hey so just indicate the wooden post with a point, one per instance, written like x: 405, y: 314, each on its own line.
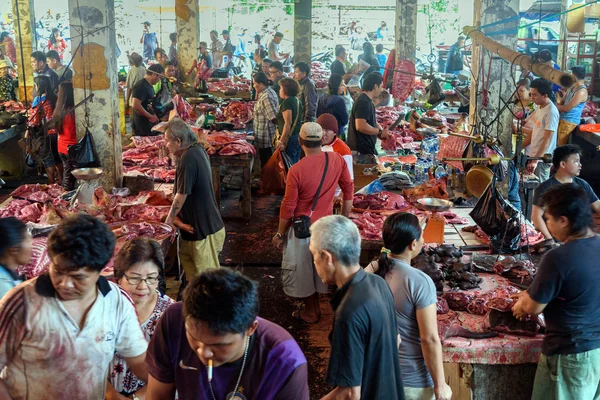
x: 475, y: 56
x: 563, y: 34
x: 25, y: 43
x: 187, y: 21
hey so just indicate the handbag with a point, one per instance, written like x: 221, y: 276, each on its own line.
x: 278, y: 134
x: 301, y: 223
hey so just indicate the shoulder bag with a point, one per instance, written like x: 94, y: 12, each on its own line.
x: 301, y: 223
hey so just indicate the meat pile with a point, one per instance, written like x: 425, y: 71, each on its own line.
x: 528, y: 235
x: 589, y: 110
x: 23, y: 210
x: 399, y: 139
x: 228, y: 143
x: 229, y: 87
x: 238, y: 113
x: 431, y: 189
x: 380, y: 201
x: 403, y: 84
x: 320, y: 74
x: 452, y: 147
x: 184, y: 110
x: 142, y: 229
x: 447, y: 264
x: 369, y: 224
x: 386, y: 116
x: 147, y: 153
x: 38, y: 192
x: 12, y: 106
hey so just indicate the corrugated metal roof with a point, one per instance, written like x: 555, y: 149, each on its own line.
x: 543, y: 8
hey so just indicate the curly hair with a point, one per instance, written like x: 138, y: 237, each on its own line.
x: 83, y: 241
x: 224, y: 299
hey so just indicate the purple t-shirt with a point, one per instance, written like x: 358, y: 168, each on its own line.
x: 275, y: 368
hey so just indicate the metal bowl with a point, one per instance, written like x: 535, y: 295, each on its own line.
x: 87, y: 174
x: 432, y: 204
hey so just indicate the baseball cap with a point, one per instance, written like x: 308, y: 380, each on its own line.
x: 146, y: 23
x: 225, y: 32
x: 311, y: 132
x: 328, y: 121
x: 279, y: 34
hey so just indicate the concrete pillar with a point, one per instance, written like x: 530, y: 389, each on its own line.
x: 95, y: 68
x: 406, y: 30
x: 563, y: 34
x: 475, y: 58
x: 302, y: 31
x: 187, y: 21
x: 25, y: 43
x: 497, y: 77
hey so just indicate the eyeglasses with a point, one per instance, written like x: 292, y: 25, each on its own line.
x: 135, y: 280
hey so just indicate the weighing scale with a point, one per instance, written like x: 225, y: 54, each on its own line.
x: 434, y: 230
x: 89, y: 180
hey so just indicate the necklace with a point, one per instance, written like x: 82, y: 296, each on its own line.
x: 239, y: 377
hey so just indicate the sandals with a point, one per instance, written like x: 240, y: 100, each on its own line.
x: 298, y: 315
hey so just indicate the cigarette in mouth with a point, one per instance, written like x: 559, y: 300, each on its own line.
x: 210, y: 367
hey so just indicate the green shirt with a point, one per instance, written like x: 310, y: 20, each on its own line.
x: 291, y: 103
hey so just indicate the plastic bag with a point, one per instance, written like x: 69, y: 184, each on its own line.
x: 273, y: 174
x: 84, y: 152
x: 373, y: 187
x: 498, y: 219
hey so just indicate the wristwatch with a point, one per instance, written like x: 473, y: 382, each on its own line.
x: 279, y: 235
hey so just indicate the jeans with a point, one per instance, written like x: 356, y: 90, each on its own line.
x: 568, y: 377
x: 293, y: 149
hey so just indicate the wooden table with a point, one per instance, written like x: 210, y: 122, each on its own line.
x: 245, y: 162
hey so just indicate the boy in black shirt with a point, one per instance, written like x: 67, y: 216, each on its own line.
x: 567, y: 163
x: 363, y: 129
x: 364, y: 360
x: 566, y: 290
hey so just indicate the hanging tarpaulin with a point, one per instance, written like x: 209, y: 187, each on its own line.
x: 404, y: 80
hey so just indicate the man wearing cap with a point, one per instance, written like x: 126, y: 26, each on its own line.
x: 274, y: 54
x: 148, y: 41
x: 136, y: 74
x: 304, y: 178
x: 7, y: 84
x: 216, y: 49
x: 205, y: 55
x: 331, y: 142
x: 143, y: 117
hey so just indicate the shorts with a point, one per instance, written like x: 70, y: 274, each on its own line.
x: 418, y: 393
x: 52, y: 158
x: 565, y: 129
x: 299, y: 276
x: 568, y: 376
x: 197, y: 256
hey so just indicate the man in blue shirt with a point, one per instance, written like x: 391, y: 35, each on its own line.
x: 149, y: 42
x: 382, y: 58
x: 565, y: 289
x: 456, y: 57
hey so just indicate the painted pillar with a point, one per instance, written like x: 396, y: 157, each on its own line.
x: 475, y: 58
x: 406, y: 30
x: 187, y: 20
x: 496, y: 78
x: 95, y: 68
x: 563, y: 34
x: 302, y: 31
x: 25, y: 43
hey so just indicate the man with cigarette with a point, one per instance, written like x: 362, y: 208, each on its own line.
x: 213, y: 345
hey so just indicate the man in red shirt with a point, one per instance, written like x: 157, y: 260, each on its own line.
x: 300, y: 279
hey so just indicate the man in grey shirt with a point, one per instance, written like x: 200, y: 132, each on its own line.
x: 308, y: 92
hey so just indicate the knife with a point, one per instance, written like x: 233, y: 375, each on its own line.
x: 395, y: 124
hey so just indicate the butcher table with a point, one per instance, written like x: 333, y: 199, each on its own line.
x: 245, y: 162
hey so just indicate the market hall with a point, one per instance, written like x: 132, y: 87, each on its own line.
x: 299, y: 200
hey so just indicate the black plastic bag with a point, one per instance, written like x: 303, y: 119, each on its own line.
x: 84, y: 152
x: 498, y: 219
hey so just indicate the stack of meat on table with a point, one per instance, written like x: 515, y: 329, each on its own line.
x: 147, y: 157
x: 228, y: 86
x: 42, y: 207
x: 238, y: 113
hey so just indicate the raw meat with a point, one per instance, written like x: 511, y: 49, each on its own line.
x: 237, y: 111
x: 320, y: 74
x: 145, y: 212
x: 458, y: 301
x: 227, y: 86
x: 38, y: 192
x: 453, y: 147
x: 369, y: 225
x: 441, y: 306
x: 49, y: 215
x: 380, y: 201
x: 403, y: 84
x: 503, y: 304
x: 589, y: 110
x: 22, y: 210
x: 237, y: 148
x: 478, y: 306
x: 430, y: 189
x: 506, y: 322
